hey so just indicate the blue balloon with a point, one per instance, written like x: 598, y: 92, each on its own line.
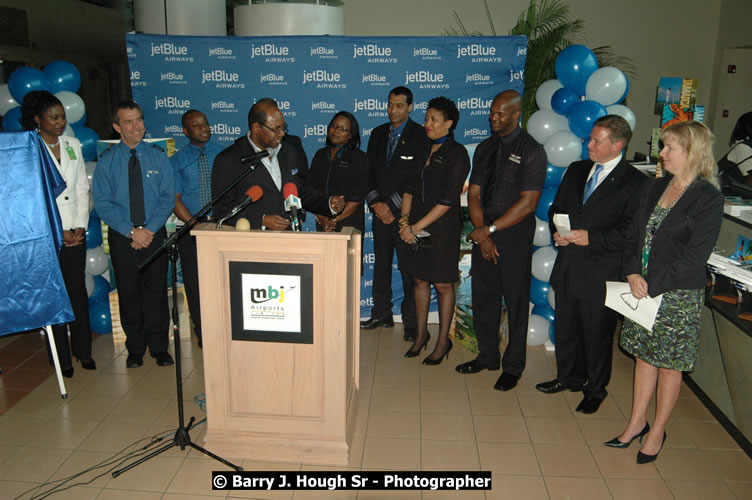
x: 563, y: 100
x: 100, y: 320
x: 583, y: 116
x: 24, y: 80
x: 554, y: 175
x: 545, y: 201
x: 585, y: 152
x: 574, y: 65
x: 544, y: 311
x: 88, y: 139
x: 101, y: 290
x: 626, y: 91
x: 81, y: 122
x: 94, y: 231
x: 11, y: 120
x: 539, y: 292
x: 62, y: 75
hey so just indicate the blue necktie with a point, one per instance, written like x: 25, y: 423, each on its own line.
x: 204, y: 177
x: 392, y: 145
x: 592, y: 182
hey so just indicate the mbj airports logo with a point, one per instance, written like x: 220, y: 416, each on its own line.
x: 426, y: 79
x: 173, y: 78
x: 173, y: 105
x: 323, y: 79
x: 477, y: 52
x: 374, y: 53
x: 171, y: 52
x: 323, y: 53
x: 272, y: 53
x: 271, y: 302
x: 374, y: 107
x: 222, y: 79
x: 221, y: 53
x: 426, y: 53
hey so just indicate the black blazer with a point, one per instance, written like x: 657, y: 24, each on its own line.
x: 582, y: 271
x: 682, y: 243
x: 385, y: 183
x: 227, y: 167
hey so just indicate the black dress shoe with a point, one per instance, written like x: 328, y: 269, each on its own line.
x: 589, y: 405
x: 615, y: 443
x: 164, y: 359
x: 67, y: 372
x: 88, y: 364
x: 372, y: 323
x: 643, y: 458
x: 475, y: 366
x: 409, y: 333
x: 554, y: 386
x: 134, y: 360
x: 506, y: 382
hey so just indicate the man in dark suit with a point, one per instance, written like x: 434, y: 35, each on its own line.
x: 266, y: 127
x: 600, y: 197
x: 394, y: 149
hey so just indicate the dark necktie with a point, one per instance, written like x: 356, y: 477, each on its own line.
x: 136, y: 191
x: 204, y: 177
x: 392, y: 145
x: 489, y: 183
x: 592, y: 182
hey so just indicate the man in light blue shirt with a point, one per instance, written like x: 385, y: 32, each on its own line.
x: 134, y: 193
x: 192, y: 171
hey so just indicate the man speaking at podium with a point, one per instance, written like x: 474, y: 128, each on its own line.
x: 284, y: 164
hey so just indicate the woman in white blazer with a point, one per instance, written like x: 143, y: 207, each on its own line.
x: 43, y: 112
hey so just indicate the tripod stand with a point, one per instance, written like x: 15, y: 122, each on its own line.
x: 182, y: 437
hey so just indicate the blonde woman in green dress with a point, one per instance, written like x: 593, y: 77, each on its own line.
x: 671, y: 237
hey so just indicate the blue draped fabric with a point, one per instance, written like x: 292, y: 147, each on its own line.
x: 32, y: 291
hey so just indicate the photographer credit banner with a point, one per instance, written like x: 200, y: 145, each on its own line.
x: 314, y: 77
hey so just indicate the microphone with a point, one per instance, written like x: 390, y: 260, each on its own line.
x: 292, y: 204
x: 257, y: 156
x: 253, y: 194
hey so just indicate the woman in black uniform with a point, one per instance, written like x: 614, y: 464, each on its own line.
x: 431, y: 204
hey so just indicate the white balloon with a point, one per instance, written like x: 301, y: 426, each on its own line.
x: 544, y: 93
x: 624, y: 112
x: 544, y: 123
x: 73, y: 104
x: 91, y: 201
x: 68, y: 132
x: 543, y: 263
x: 6, y: 100
x: 537, y: 330
x: 90, y: 166
x: 606, y: 86
x: 89, y: 281
x: 542, y: 233
x: 551, y: 297
x: 563, y: 148
x: 96, y: 261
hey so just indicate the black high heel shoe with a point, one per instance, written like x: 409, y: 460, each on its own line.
x: 437, y: 361
x: 615, y: 443
x: 88, y: 364
x: 643, y: 458
x: 411, y: 354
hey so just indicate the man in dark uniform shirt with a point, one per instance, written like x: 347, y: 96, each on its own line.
x: 393, y: 151
x: 509, y: 169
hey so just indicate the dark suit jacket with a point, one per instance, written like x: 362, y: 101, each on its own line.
x: 606, y: 216
x: 386, y: 183
x: 227, y: 167
x: 682, y: 243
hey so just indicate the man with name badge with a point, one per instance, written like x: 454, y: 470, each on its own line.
x: 192, y: 171
x: 134, y: 194
x: 394, y: 150
x: 599, y: 196
x: 509, y: 169
x: 281, y: 164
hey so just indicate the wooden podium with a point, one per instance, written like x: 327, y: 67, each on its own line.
x: 282, y: 395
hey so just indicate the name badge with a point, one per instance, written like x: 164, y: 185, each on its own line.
x: 514, y: 158
x: 71, y: 153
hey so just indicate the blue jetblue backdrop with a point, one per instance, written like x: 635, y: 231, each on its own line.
x: 313, y: 77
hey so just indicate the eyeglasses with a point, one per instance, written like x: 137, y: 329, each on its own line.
x: 278, y: 130
x: 337, y: 128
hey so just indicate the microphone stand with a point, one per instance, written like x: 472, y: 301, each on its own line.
x: 182, y: 437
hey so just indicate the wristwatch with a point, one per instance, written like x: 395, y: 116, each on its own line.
x: 492, y: 228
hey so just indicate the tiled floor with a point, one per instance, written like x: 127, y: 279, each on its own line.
x: 411, y: 417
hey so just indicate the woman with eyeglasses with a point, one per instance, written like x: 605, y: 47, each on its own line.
x: 431, y: 225
x: 341, y: 168
x: 670, y: 239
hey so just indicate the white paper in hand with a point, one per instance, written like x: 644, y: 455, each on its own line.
x: 642, y: 311
x: 561, y: 221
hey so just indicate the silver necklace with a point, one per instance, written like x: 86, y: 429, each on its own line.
x: 671, y: 183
